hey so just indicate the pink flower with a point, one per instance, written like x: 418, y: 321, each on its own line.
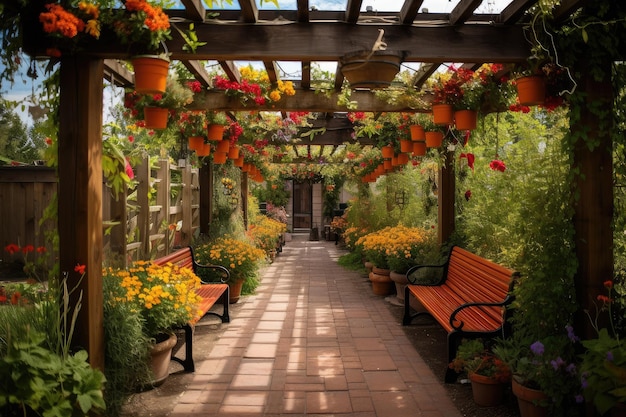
x: 129, y: 170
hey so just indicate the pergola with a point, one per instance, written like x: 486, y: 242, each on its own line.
x: 306, y: 36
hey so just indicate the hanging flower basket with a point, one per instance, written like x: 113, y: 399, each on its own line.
x: 465, y: 119
x: 403, y: 158
x: 434, y: 139
x: 233, y: 153
x: 239, y: 162
x: 155, y: 117
x: 203, y: 150
x: 194, y: 142
x: 219, y: 158
x: 387, y: 151
x: 417, y: 132
x: 443, y: 114
x: 419, y: 148
x: 150, y: 74
x: 215, y: 132
x: 531, y: 90
x: 223, y: 146
x: 406, y: 146
x: 367, y: 70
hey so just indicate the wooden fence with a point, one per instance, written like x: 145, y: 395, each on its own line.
x: 160, y: 214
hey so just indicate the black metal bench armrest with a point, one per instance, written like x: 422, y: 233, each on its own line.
x: 459, y: 326
x: 224, y: 277
x: 415, y: 268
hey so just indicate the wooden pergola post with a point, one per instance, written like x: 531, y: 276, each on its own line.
x: 446, y: 188
x: 593, y: 209
x: 80, y: 195
x: 205, y: 178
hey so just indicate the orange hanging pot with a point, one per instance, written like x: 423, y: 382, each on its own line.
x: 233, y: 153
x: 419, y: 148
x: 155, y: 117
x: 223, y: 146
x: 417, y: 132
x: 194, y: 142
x: 219, y: 158
x: 465, y: 119
x: 406, y: 146
x: 403, y: 159
x: 239, y: 162
x: 387, y: 164
x: 387, y: 151
x: 434, y: 139
x: 443, y: 114
x: 150, y: 74
x: 203, y: 150
x: 215, y: 132
x: 531, y: 90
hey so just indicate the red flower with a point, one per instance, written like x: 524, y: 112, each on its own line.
x: 28, y: 249
x: 48, y: 141
x: 41, y: 249
x: 80, y: 269
x: 468, y: 195
x: 497, y: 165
x: 608, y: 284
x: 470, y: 159
x: 15, y: 298
x: 12, y: 248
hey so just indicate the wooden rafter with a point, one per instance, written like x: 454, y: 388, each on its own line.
x: 199, y: 72
x: 353, y: 9
x: 249, y: 11
x: 423, y: 73
x: 409, y: 11
x: 514, y: 11
x: 117, y: 73
x: 231, y: 70
x: 303, y: 11
x: 463, y: 11
x: 194, y: 10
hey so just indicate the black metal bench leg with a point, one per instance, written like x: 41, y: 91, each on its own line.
x: 187, y: 363
x: 454, y: 339
x: 225, y: 298
x: 407, y: 308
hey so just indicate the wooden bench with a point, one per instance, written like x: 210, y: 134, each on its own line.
x: 469, y: 300
x: 210, y: 292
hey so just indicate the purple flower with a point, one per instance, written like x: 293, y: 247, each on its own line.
x: 537, y: 348
x: 570, y: 334
x: 571, y: 369
x: 579, y: 399
x: 609, y: 356
x: 583, y: 380
x: 557, y: 363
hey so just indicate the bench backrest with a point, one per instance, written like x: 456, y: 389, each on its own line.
x: 476, y: 278
x: 182, y: 258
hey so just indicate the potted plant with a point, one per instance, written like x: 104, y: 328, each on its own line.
x: 603, y: 367
x: 165, y: 297
x: 255, y: 87
x: 239, y: 255
x: 545, y: 376
x: 488, y: 373
x: 193, y: 125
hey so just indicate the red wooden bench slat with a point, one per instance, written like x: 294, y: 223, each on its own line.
x: 469, y: 279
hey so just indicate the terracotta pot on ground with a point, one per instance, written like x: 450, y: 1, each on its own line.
x: 234, y: 290
x: 531, y: 90
x: 160, y: 355
x: 381, y: 282
x: 400, y: 282
x: 150, y: 74
x: 368, y: 266
x: 487, y: 392
x: 527, y: 400
x: 443, y: 114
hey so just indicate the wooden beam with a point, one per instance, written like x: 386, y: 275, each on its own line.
x: 303, y: 100
x: 463, y: 11
x: 446, y: 186
x: 353, y: 10
x: 409, y: 11
x: 194, y: 10
x: 514, y: 11
x: 118, y: 74
x: 305, y: 82
x: 303, y: 11
x: 199, y: 72
x: 566, y: 8
x: 423, y: 73
x: 249, y: 11
x: 80, y: 196
x: 231, y: 70
x: 272, y: 73
x: 338, y: 78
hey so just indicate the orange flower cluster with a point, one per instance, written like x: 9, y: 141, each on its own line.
x: 155, y: 18
x: 60, y: 21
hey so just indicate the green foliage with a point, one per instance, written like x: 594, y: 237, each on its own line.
x: 352, y: 261
x: 273, y: 192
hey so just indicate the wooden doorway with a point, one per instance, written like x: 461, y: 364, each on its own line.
x: 302, y: 206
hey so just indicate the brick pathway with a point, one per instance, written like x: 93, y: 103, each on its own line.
x: 313, y: 341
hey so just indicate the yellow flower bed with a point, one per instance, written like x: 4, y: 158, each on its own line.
x: 266, y: 232
x: 240, y: 257
x: 164, y: 295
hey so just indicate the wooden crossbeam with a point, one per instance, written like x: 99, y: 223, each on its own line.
x: 463, y: 11
x: 409, y: 11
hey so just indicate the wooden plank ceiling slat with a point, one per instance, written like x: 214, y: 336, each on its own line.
x: 303, y: 11
x: 353, y: 10
x: 249, y: 11
x: 409, y: 11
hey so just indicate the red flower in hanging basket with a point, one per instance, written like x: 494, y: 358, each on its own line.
x: 497, y: 165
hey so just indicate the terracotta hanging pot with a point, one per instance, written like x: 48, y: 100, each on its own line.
x: 434, y: 139
x: 443, y: 114
x: 406, y: 146
x: 419, y: 148
x: 531, y: 90
x: 203, y: 150
x: 417, y: 132
x: 223, y: 146
x: 150, y: 74
x: 219, y: 157
x: 233, y: 153
x: 193, y: 142
x: 155, y: 117
x: 465, y: 119
x: 215, y: 132
x: 387, y: 151
x: 403, y: 158
x: 239, y: 162
x: 387, y: 164
x: 364, y: 69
